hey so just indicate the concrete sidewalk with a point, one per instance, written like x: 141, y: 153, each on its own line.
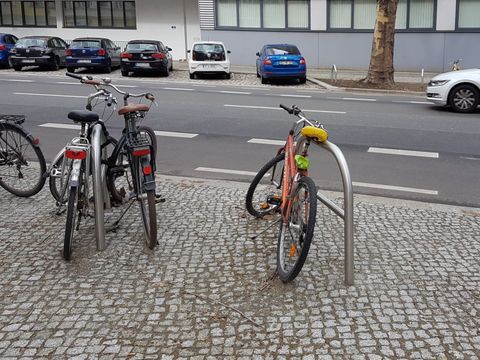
x: 207, y: 290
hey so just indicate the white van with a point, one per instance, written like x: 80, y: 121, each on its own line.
x: 208, y: 57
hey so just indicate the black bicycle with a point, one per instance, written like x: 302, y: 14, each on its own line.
x: 22, y: 164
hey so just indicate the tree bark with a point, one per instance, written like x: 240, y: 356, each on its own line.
x: 380, y: 71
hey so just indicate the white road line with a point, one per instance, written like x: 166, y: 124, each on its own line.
x: 296, y: 96
x: 413, y: 102
x: 359, y: 99
x: 78, y: 83
x: 18, y: 80
x: 266, y: 141
x: 175, y: 134
x: 277, y: 108
x: 61, y: 126
x: 226, y: 171
x: 403, y: 152
x: 233, y: 92
x: 470, y: 158
x: 395, y: 188
x: 178, y: 89
x: 51, y: 95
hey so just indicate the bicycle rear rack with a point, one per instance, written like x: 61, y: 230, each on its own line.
x: 17, y: 119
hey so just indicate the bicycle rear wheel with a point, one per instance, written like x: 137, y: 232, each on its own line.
x: 295, y: 237
x: 70, y: 225
x: 22, y: 164
x: 146, y: 200
x: 119, y: 179
x: 264, y: 194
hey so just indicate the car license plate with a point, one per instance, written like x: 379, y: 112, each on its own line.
x: 28, y: 61
x: 84, y: 61
x: 143, y: 65
x: 286, y: 62
x: 209, y: 66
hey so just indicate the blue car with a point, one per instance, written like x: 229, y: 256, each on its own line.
x: 7, y: 42
x: 93, y: 53
x: 281, y: 61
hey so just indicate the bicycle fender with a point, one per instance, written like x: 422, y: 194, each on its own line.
x: 75, y: 175
x: 148, y: 179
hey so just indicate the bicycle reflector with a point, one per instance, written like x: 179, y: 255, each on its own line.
x: 75, y: 154
x: 147, y: 170
x: 141, y: 152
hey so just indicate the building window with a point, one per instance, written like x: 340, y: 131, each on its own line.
x: 361, y: 14
x: 28, y: 13
x: 468, y: 14
x: 104, y: 14
x: 268, y: 14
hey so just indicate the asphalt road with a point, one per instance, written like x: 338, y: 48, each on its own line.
x: 395, y: 145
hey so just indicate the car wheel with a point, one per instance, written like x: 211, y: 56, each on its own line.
x: 258, y: 74
x: 228, y: 76
x: 70, y: 69
x: 192, y: 76
x: 9, y: 63
x: 124, y: 72
x: 108, y: 68
x: 302, y: 80
x: 17, y: 67
x: 165, y: 72
x: 264, y: 80
x: 464, y: 98
x: 171, y: 66
x: 56, y: 63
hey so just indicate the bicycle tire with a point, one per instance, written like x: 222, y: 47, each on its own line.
x: 17, y: 157
x: 148, y: 210
x: 119, y: 180
x: 54, y: 182
x: 253, y: 198
x: 70, y: 224
x: 289, y: 272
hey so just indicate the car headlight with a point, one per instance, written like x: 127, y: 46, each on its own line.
x: 437, y: 82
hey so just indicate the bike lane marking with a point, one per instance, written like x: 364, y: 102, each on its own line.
x: 50, y: 95
x: 266, y: 141
x: 386, y: 151
x: 226, y: 171
x: 395, y: 188
x: 61, y: 126
x: 175, y: 134
x: 275, y: 108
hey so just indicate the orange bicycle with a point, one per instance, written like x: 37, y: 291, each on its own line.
x: 282, y: 186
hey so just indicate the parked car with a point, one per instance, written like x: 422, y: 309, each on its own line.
x: 209, y: 57
x: 93, y: 53
x: 7, y: 42
x: 146, y: 55
x: 44, y: 51
x: 458, y: 89
x: 281, y: 61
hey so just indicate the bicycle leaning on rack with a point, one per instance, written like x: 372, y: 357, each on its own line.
x: 22, y: 163
x: 282, y: 186
x: 127, y: 174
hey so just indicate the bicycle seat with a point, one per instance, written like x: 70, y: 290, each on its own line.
x: 314, y: 133
x: 130, y: 108
x: 83, y: 116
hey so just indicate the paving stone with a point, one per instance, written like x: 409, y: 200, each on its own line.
x: 415, y: 293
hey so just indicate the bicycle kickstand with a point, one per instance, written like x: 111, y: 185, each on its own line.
x: 264, y: 230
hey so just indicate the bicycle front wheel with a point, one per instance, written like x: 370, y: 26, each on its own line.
x: 22, y: 164
x: 146, y: 200
x: 296, y: 234
x: 264, y: 194
x: 70, y: 225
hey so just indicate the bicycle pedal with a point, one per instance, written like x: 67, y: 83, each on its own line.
x: 275, y: 200
x: 159, y: 199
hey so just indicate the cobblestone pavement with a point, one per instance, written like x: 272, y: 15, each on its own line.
x: 179, y: 75
x: 207, y: 290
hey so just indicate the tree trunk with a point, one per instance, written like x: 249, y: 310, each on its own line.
x: 380, y: 71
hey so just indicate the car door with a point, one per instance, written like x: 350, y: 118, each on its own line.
x: 114, y: 52
x: 10, y: 41
x: 61, y: 50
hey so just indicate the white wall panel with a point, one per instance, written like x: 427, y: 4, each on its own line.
x: 446, y: 10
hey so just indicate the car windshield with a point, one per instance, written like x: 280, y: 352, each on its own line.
x: 206, y: 52
x: 141, y: 47
x: 78, y: 44
x: 25, y: 43
x: 282, y: 50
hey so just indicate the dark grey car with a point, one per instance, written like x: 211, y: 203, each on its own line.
x: 43, y: 51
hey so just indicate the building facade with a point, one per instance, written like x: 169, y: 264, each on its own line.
x: 430, y: 33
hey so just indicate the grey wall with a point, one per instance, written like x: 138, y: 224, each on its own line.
x: 413, y: 51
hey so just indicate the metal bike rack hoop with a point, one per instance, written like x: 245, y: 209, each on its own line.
x: 98, y: 188
x: 347, y: 212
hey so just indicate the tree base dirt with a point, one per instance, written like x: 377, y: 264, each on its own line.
x: 364, y: 85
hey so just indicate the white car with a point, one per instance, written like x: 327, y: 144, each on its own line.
x: 459, y: 89
x: 208, y: 57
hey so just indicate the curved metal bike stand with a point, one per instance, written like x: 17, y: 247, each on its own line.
x: 98, y: 185
x: 347, y: 212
